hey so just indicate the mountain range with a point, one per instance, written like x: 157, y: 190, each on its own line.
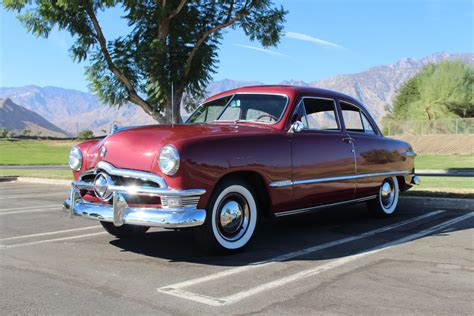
x: 16, y: 118
x: 73, y: 110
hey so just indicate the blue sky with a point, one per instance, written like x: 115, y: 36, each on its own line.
x: 324, y: 38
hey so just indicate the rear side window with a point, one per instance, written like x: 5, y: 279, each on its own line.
x: 355, y: 120
x: 319, y: 114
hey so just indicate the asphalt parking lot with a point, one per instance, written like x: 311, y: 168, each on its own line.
x: 338, y: 261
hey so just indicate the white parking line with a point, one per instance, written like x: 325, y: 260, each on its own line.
x: 50, y: 233
x: 29, y: 207
x: 299, y: 253
x: 51, y: 209
x: 50, y: 240
x: 31, y: 196
x: 339, y: 262
x: 176, y: 289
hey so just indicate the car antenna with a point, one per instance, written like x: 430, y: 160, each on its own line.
x: 172, y: 105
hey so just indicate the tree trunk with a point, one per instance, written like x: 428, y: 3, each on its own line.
x: 172, y: 108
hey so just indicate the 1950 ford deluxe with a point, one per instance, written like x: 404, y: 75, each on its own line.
x: 252, y: 152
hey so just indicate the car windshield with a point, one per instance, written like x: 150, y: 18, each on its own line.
x: 262, y: 108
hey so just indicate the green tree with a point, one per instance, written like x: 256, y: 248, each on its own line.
x: 438, y: 91
x: 87, y: 133
x: 3, y: 132
x: 171, y: 43
x: 26, y: 132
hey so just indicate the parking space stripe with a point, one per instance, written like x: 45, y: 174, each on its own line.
x: 31, y: 196
x: 309, y: 272
x: 50, y: 233
x: 29, y: 207
x: 39, y: 210
x: 298, y: 253
x: 50, y: 240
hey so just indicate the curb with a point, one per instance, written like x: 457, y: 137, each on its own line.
x: 43, y: 181
x: 445, y: 173
x: 440, y: 203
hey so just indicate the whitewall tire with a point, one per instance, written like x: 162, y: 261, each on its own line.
x: 231, y: 219
x: 386, y: 203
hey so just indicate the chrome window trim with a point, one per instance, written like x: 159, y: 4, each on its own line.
x: 255, y: 93
x: 369, y: 117
x: 338, y: 120
x: 315, y: 208
x: 285, y: 183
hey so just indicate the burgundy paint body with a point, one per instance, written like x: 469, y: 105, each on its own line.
x: 210, y: 152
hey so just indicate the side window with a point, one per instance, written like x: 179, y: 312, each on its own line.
x: 320, y: 114
x: 368, y: 128
x: 355, y: 120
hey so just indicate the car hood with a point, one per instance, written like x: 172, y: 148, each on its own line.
x: 137, y: 148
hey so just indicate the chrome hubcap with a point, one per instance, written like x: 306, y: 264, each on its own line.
x: 387, y: 193
x: 233, y: 217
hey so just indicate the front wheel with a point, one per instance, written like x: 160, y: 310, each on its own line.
x: 386, y: 202
x: 231, y: 218
x: 124, y: 231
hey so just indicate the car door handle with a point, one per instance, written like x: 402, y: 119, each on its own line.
x: 348, y: 140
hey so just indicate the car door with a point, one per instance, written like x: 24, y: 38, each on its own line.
x: 372, y: 151
x: 323, y: 163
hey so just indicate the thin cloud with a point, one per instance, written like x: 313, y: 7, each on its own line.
x: 307, y: 38
x: 263, y: 50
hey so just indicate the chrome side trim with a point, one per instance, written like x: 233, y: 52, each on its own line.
x: 285, y: 183
x: 315, y: 208
x: 409, y: 153
x: 128, y: 173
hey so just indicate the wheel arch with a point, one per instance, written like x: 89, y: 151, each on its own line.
x: 258, y: 183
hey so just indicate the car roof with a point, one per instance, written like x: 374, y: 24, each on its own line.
x: 291, y: 91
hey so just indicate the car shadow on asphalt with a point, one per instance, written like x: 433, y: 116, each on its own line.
x: 283, y: 235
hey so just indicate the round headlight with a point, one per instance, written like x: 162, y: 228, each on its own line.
x: 75, y: 159
x: 168, y: 160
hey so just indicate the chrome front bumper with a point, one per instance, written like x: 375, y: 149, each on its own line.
x: 121, y: 214
x: 178, y: 207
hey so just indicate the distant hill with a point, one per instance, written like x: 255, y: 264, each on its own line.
x: 74, y: 110
x: 16, y: 118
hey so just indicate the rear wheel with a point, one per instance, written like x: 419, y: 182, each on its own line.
x: 386, y: 202
x: 124, y: 231
x: 231, y: 218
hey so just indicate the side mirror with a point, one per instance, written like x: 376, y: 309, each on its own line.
x: 296, y: 127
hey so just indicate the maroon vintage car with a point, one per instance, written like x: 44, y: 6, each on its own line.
x: 252, y: 152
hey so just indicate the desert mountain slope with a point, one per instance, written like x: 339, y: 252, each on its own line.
x: 16, y: 118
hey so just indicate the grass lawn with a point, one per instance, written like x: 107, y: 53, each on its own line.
x: 34, y: 152
x: 47, y: 174
x: 424, y: 161
x: 458, y: 183
x: 449, y: 187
